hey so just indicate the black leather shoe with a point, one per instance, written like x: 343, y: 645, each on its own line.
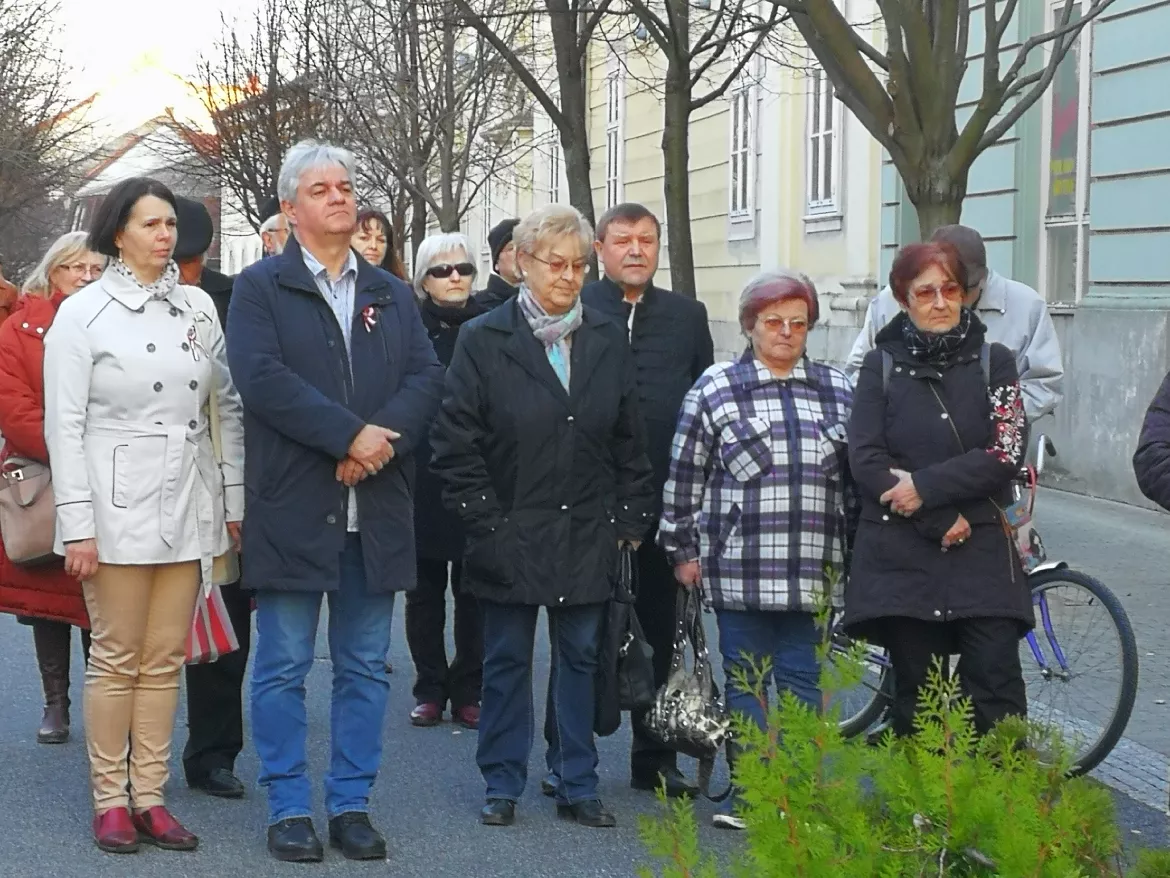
x: 355, y: 837
x: 677, y: 785
x: 549, y: 784
x: 592, y: 814
x: 498, y: 812
x: 219, y: 782
x: 295, y: 841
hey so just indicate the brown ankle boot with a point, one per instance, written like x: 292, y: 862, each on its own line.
x: 52, y: 641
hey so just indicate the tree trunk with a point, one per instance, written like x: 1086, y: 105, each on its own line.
x: 418, y: 222
x: 676, y: 181
x: 932, y: 215
x: 574, y: 144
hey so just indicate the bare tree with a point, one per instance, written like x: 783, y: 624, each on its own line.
x: 906, y: 94
x: 258, y: 88
x: 564, y: 95
x: 40, y: 133
x: 428, y: 101
x: 706, y: 50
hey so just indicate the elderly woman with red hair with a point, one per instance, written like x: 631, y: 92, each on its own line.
x: 755, y: 507
x: 937, y: 435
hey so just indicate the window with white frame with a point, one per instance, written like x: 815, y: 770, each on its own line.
x: 554, y: 173
x: 823, y: 144
x: 613, y: 139
x: 1065, y: 251
x: 742, y: 165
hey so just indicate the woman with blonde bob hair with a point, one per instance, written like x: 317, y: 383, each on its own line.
x: 539, y: 448
x: 43, y: 597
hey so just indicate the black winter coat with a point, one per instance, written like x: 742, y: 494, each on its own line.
x: 899, y: 567
x: 438, y: 532
x: 1151, y: 461
x: 672, y: 347
x: 547, y: 482
x: 497, y: 292
x: 219, y: 287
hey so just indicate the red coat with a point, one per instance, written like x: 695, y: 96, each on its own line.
x: 43, y: 592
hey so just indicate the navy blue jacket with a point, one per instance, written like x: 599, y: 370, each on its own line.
x: 1151, y: 462
x: 303, y: 406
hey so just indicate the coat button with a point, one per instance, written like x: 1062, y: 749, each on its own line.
x: 885, y: 518
x: 564, y: 509
x: 193, y: 384
x: 570, y: 419
x: 24, y: 326
x: 186, y: 346
x: 158, y: 387
x: 944, y: 416
x: 192, y: 424
x: 331, y: 518
x: 938, y: 612
x: 330, y: 343
x: 150, y: 348
x: 174, y: 312
x: 898, y: 369
x: 913, y: 372
x: 560, y: 600
x: 40, y: 330
x: 140, y: 309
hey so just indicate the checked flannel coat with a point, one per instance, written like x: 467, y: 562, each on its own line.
x: 759, y: 487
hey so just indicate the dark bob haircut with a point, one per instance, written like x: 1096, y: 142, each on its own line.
x: 773, y: 287
x: 391, y: 262
x: 913, y: 259
x: 629, y: 212
x: 114, y: 212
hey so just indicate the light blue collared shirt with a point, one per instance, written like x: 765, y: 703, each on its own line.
x: 340, y: 296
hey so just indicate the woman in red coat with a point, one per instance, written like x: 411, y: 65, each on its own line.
x: 44, y: 597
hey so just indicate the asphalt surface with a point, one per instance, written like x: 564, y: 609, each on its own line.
x: 429, y: 791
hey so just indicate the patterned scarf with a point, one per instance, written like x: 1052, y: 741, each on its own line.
x: 551, y: 331
x: 161, y: 288
x: 936, y: 348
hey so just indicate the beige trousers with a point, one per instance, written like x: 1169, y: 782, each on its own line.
x: 141, y: 616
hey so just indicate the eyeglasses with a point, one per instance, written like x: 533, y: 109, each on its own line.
x: 950, y: 291
x: 465, y: 269
x: 794, y: 325
x: 85, y: 268
x: 557, y: 266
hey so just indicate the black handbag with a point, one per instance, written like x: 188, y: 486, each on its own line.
x: 688, y: 713
x: 625, y: 664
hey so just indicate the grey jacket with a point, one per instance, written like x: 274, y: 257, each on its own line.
x: 1015, y: 316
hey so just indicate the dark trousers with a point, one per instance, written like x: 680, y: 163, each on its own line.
x: 507, y: 717
x: 989, y: 666
x: 215, y: 709
x: 436, y: 681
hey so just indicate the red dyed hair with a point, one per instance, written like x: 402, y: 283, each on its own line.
x: 913, y: 259
x: 772, y: 288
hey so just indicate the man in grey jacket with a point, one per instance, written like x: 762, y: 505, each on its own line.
x: 1015, y: 316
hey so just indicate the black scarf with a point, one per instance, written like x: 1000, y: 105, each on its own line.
x: 449, y: 315
x: 936, y: 348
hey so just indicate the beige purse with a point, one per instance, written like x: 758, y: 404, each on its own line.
x: 28, y: 514
x: 225, y: 568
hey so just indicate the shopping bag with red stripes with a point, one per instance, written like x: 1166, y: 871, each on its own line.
x: 212, y: 635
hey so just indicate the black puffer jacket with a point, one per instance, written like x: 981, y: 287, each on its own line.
x: 939, y: 426
x: 438, y: 532
x: 546, y: 482
x: 496, y: 293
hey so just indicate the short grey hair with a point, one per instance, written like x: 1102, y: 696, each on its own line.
x: 70, y: 246
x: 306, y: 156
x: 552, y: 221
x: 270, y: 224
x: 429, y: 252
x: 769, y: 287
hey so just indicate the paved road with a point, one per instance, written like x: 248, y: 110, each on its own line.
x: 429, y: 792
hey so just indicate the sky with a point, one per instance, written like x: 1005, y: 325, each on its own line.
x: 133, y: 51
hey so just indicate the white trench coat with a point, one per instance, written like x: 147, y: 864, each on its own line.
x: 127, y: 383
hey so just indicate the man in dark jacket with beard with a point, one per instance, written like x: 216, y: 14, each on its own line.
x: 215, y: 715
x: 672, y: 347
x: 504, y: 280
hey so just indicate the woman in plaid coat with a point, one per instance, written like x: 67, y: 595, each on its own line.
x: 754, y: 511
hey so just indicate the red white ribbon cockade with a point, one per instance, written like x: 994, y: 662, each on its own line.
x: 369, y: 318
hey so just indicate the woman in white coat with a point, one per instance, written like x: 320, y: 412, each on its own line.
x: 143, y: 505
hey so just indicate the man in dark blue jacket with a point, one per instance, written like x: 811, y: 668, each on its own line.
x: 339, y: 383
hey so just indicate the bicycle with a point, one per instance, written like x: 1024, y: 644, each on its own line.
x: 1052, y: 664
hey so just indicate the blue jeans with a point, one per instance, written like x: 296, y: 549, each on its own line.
x: 788, y: 639
x: 506, y: 720
x: 359, y: 635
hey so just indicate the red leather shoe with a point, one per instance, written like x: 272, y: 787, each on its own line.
x: 114, y: 832
x: 467, y: 716
x: 426, y: 714
x: 156, y: 826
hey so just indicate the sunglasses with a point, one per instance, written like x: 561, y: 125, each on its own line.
x: 465, y: 269
x: 794, y: 325
x: 950, y: 291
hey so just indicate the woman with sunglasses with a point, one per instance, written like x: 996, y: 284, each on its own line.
x: 938, y: 433
x: 44, y: 597
x: 443, y: 277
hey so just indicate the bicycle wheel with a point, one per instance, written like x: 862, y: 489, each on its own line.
x: 864, y: 703
x: 1080, y: 664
